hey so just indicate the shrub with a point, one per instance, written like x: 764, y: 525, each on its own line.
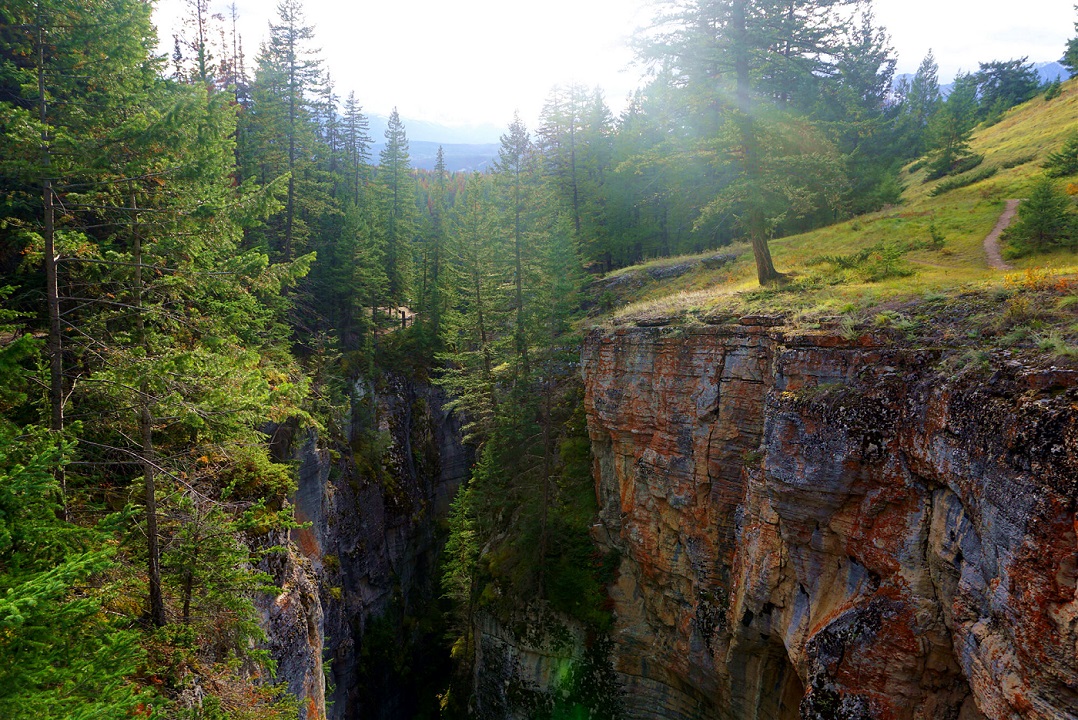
x: 945, y: 165
x: 1054, y: 90
x: 1044, y: 221
x: 963, y: 181
x: 871, y: 264
x: 1015, y: 162
x: 938, y: 239
x: 1064, y: 162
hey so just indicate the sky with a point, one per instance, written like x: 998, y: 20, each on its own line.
x: 475, y: 62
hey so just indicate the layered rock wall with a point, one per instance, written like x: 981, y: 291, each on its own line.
x: 822, y: 528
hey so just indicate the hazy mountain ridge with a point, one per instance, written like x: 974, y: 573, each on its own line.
x: 467, y: 147
x: 1046, y: 71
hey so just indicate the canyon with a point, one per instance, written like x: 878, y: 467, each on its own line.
x: 814, y: 526
x: 807, y: 524
x: 355, y: 624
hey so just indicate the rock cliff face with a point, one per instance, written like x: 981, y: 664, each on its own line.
x: 359, y: 574
x: 820, y: 528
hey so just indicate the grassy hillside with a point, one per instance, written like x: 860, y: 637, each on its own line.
x: 882, y: 266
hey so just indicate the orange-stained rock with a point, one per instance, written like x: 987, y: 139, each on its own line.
x: 812, y: 527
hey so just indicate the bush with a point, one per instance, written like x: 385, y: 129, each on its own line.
x: 1045, y: 220
x: 963, y: 181
x: 1054, y: 90
x: 1015, y: 162
x: 872, y: 264
x: 944, y: 165
x: 1064, y: 162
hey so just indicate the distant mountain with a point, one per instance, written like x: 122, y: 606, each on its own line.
x: 1051, y: 71
x: 459, y: 157
x: 467, y: 147
x: 1046, y: 71
x: 426, y: 131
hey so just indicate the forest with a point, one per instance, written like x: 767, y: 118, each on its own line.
x: 198, y: 250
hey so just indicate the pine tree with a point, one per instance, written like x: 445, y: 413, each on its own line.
x: 1064, y: 161
x: 357, y: 149
x: 1070, y: 54
x: 746, y: 65
x: 1045, y: 220
x: 280, y: 132
x: 952, y: 127
x: 1002, y: 85
x: 434, y: 276
x: 398, y: 213
x: 924, y: 96
x: 469, y: 331
x: 513, y: 173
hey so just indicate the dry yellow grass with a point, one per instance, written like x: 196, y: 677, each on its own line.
x: 964, y: 216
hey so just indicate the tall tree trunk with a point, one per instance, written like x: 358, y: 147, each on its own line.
x: 153, y: 550
x: 52, y: 283
x: 521, y: 340
x: 765, y: 268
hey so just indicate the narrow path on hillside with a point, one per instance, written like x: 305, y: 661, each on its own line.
x: 991, y: 243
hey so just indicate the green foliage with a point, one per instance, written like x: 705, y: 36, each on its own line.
x: 1045, y: 220
x: 1054, y: 90
x: 397, y: 211
x: 951, y: 128
x: 62, y: 654
x: 1003, y: 84
x: 1070, y: 55
x: 1063, y: 162
x: 963, y: 181
x: 871, y: 264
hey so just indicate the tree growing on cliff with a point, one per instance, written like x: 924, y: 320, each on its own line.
x: 514, y: 179
x: 397, y: 210
x: 279, y: 133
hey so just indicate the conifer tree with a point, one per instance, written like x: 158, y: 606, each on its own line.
x: 434, y: 280
x: 472, y: 348
x: 357, y: 149
x: 1070, y: 54
x: 747, y: 65
x: 951, y: 128
x: 161, y: 363
x: 281, y: 133
x: 398, y: 212
x: 922, y: 101
x: 513, y: 172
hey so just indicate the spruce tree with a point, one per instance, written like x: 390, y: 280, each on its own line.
x: 748, y: 66
x: 513, y: 173
x: 1070, y: 54
x: 280, y: 133
x: 397, y: 210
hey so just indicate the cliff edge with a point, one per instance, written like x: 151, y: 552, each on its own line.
x: 817, y: 527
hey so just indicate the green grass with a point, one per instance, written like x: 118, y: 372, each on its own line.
x: 868, y: 266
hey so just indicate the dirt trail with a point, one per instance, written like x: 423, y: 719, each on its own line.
x: 991, y: 243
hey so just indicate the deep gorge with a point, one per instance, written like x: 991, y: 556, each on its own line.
x: 808, y: 526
